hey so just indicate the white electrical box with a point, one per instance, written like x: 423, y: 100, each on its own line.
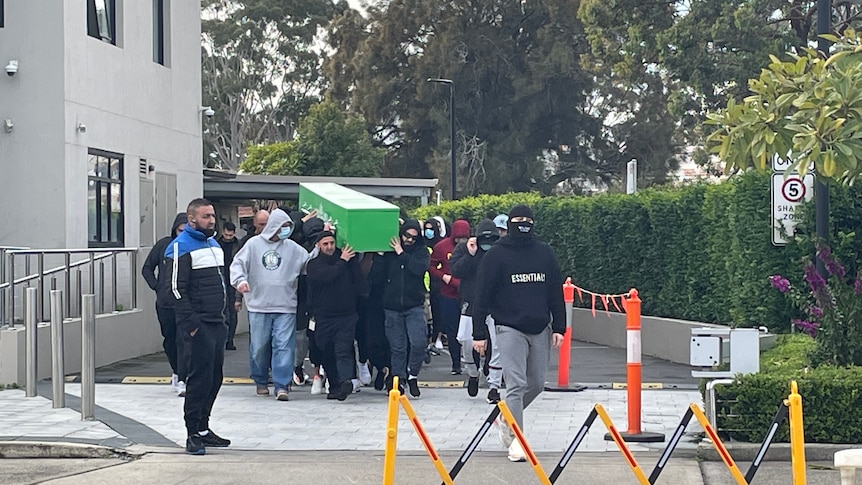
x: 712, y: 346
x: 705, y: 351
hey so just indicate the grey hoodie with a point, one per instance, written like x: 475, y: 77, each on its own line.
x: 271, y: 269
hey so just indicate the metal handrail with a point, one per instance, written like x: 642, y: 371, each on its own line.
x: 71, y: 251
x: 92, y: 255
x: 49, y: 272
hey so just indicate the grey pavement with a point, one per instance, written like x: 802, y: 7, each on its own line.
x: 310, y: 439
x: 330, y: 442
x: 591, y: 364
x: 449, y: 417
x: 228, y: 467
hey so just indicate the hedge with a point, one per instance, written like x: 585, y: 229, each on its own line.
x: 700, y: 252
x: 831, y: 397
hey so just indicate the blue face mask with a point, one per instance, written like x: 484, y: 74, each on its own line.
x: 486, y: 247
x: 284, y: 233
x: 429, y: 233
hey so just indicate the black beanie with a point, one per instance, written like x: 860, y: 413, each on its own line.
x: 521, y: 210
x: 322, y: 234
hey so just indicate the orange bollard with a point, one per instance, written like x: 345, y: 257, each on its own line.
x: 566, y: 347
x: 633, y: 373
x: 633, y: 361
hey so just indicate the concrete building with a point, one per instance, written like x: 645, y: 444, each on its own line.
x: 100, y: 144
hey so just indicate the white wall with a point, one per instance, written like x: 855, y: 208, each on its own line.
x: 129, y: 104
x: 31, y: 156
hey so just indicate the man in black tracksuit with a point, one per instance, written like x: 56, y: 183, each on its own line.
x: 403, y: 303
x: 155, y: 275
x: 195, y: 269
x: 521, y: 287
x: 335, y: 282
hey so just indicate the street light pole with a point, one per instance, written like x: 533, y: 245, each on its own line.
x: 821, y: 190
x: 451, y: 129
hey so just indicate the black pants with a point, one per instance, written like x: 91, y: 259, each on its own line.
x: 374, y: 344
x: 170, y: 342
x: 231, y: 315
x: 436, y: 314
x: 334, y: 338
x: 205, y: 348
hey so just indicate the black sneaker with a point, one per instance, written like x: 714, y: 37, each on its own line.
x: 427, y: 356
x: 345, y: 390
x: 380, y: 380
x: 413, y: 384
x: 473, y: 386
x: 456, y: 372
x: 493, y: 396
x: 213, y: 440
x: 195, y: 445
x: 389, y: 385
x: 230, y: 346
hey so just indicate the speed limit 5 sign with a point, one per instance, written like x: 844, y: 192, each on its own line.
x: 787, y: 193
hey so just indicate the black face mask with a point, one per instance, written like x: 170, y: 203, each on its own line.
x: 520, y: 230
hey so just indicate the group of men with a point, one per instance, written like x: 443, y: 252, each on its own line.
x: 506, y: 289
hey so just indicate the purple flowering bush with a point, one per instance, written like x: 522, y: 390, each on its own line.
x: 832, y: 308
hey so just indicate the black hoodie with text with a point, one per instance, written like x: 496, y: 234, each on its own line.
x: 520, y: 285
x: 153, y: 269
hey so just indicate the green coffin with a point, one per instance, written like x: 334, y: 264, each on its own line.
x: 364, y: 222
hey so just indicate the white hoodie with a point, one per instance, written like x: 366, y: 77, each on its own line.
x: 271, y: 269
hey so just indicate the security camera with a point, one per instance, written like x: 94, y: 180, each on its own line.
x: 12, y: 68
x: 208, y: 112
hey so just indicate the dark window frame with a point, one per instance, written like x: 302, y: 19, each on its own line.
x: 104, y: 185
x: 108, y: 34
x: 2, y: 15
x: 159, y: 32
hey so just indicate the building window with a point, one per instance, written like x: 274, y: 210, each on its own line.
x: 102, y: 20
x: 159, y: 36
x: 2, y: 15
x: 104, y: 199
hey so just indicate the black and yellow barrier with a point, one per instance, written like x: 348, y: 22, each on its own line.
x: 791, y: 407
x: 396, y: 400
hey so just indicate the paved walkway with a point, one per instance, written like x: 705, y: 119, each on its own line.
x: 309, y: 422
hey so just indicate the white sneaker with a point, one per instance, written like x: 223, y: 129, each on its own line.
x: 364, y: 374
x: 506, y: 436
x: 181, y: 389
x: 174, y: 380
x: 516, y: 452
x: 317, y: 385
x: 357, y: 386
x: 438, y: 344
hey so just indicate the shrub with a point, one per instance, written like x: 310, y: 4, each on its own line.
x: 700, y: 252
x: 830, y: 396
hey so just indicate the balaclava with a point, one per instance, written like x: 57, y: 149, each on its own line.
x: 520, y: 231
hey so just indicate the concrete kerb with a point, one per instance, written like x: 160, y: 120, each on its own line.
x: 37, y: 449
x: 745, y: 452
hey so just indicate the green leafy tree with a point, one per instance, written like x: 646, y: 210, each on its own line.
x: 273, y: 159
x: 807, y: 109
x: 524, y: 118
x: 261, y: 71
x: 332, y: 143
x: 691, y: 55
x: 329, y: 142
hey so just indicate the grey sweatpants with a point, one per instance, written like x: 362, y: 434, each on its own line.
x: 524, y: 359
x: 495, y: 372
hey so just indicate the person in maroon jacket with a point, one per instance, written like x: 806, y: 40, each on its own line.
x: 450, y: 300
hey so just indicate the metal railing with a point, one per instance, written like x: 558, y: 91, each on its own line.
x: 74, y: 262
